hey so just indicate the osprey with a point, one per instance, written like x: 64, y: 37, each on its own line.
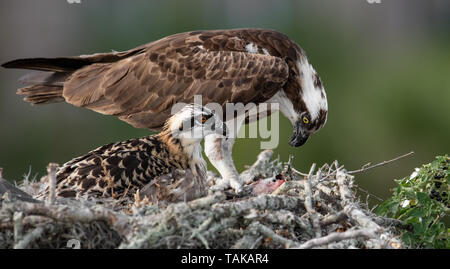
x: 141, y: 85
x: 119, y: 170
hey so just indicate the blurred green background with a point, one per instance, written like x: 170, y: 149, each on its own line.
x: 385, y: 67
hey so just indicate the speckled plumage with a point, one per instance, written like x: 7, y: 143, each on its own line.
x: 121, y: 169
x: 118, y: 169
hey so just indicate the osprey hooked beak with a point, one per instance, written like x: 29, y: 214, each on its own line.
x: 299, y: 136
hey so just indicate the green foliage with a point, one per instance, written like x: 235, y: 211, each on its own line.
x: 421, y: 201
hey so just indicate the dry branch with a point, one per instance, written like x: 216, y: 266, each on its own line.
x: 51, y: 174
x: 337, y: 237
x: 368, y: 167
x: 287, y: 243
x: 309, y: 200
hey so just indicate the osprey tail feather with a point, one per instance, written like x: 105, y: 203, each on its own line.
x: 48, y: 64
x: 46, y: 85
x: 42, y: 94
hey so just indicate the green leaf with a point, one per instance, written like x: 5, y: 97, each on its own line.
x: 423, y: 198
x: 417, y: 212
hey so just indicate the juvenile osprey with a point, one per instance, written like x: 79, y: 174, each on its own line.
x: 140, y: 85
x: 120, y: 169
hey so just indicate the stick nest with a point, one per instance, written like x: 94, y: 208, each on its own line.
x: 318, y: 209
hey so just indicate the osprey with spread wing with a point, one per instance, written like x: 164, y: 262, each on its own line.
x: 141, y: 85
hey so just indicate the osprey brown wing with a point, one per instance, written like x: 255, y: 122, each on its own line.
x: 141, y: 89
x: 141, y: 85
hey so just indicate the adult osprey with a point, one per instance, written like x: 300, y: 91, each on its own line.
x: 140, y: 85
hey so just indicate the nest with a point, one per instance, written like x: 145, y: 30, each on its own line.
x: 318, y: 209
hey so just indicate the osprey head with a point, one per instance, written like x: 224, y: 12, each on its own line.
x: 310, y: 106
x: 193, y: 122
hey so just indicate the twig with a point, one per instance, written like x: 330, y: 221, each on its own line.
x: 30, y: 237
x: 287, y: 170
x: 298, y: 172
x: 365, y: 167
x: 325, y: 189
x: 309, y: 203
x: 197, y: 232
x: 333, y: 237
x: 247, y: 242
x: 389, y: 222
x: 18, y: 226
x: 287, y: 185
x: 370, y: 194
x: 330, y: 219
x: 285, y: 218
x: 217, y: 227
x: 199, y: 236
x: 51, y: 173
x: 35, y: 220
x: 261, y: 202
x: 200, y: 203
x: 69, y: 214
x: 275, y: 237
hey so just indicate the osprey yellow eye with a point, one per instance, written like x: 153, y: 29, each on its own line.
x: 204, y: 119
x: 305, y: 120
